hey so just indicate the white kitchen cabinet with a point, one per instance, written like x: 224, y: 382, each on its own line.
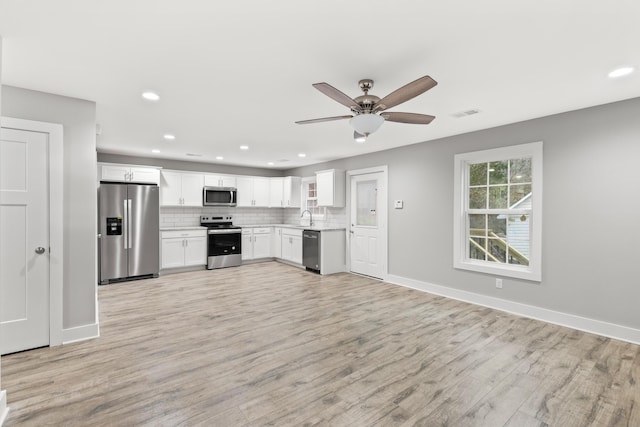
x: 277, y: 242
x: 330, y: 185
x: 183, y: 248
x: 292, y: 245
x: 284, y: 192
x: 219, y: 180
x: 253, y: 191
x: 181, y: 189
x: 256, y: 243
x: 128, y: 173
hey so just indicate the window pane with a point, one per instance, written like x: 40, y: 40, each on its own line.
x: 478, y: 174
x: 519, y: 239
x: 477, y: 248
x: 498, y: 197
x: 498, y: 172
x: 366, y: 198
x: 478, y: 225
x: 518, y: 192
x: 520, y: 170
x: 497, y: 250
x: 497, y: 224
x: 478, y: 198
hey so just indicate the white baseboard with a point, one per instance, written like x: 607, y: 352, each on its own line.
x: 4, y: 409
x: 80, y: 333
x: 611, y: 330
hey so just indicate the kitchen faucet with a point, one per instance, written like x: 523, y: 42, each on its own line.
x: 310, y: 216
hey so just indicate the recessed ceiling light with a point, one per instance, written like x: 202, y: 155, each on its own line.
x: 150, y: 96
x: 219, y: 158
x: 169, y: 136
x: 244, y: 147
x: 155, y: 151
x: 302, y: 155
x: 270, y: 163
x: 621, y: 72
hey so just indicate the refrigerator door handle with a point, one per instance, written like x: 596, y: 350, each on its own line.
x: 125, y: 225
x: 129, y: 215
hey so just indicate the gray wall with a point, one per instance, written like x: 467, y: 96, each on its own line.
x: 187, y: 166
x: 591, y: 205
x: 78, y: 118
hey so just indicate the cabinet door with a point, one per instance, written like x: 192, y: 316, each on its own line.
x: 287, y: 247
x: 261, y: 192
x: 227, y: 181
x: 145, y: 175
x: 195, y: 251
x: 171, y: 189
x: 192, y: 185
x: 276, y: 199
x: 277, y: 242
x: 212, y: 180
x: 114, y: 173
x: 296, y: 249
x: 262, y: 245
x: 172, y: 253
x: 324, y: 185
x: 247, y: 246
x: 291, y: 193
x: 245, y: 191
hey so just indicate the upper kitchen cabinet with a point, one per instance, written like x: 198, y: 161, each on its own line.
x: 253, y: 191
x: 128, y: 173
x: 330, y: 185
x: 219, y: 181
x: 284, y: 192
x: 181, y: 189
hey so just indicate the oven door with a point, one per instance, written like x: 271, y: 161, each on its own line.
x: 224, y: 242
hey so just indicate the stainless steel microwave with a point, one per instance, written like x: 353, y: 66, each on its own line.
x: 219, y: 196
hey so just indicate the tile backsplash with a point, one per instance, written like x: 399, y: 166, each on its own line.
x: 177, y: 216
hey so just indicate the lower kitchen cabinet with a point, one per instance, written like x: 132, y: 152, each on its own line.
x: 256, y: 243
x: 183, y: 248
x: 292, y: 245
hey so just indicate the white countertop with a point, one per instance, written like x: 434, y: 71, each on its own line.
x: 192, y: 227
x: 297, y: 227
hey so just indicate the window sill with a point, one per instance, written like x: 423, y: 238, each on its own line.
x: 523, y: 273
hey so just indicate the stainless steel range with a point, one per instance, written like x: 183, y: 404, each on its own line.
x: 224, y: 241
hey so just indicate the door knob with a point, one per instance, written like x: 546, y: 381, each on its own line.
x: 40, y: 250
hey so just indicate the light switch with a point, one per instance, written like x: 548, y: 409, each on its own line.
x: 398, y: 204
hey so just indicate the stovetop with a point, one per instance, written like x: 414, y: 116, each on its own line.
x: 217, y: 222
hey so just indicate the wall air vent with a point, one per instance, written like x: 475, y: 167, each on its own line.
x: 465, y: 113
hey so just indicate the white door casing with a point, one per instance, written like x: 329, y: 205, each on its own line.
x: 31, y: 226
x: 367, y: 231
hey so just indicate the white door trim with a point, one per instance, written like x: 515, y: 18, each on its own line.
x: 55, y: 158
x: 385, y: 196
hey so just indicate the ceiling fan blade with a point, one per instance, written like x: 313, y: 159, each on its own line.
x: 413, y: 118
x: 324, y: 119
x: 405, y: 93
x: 336, y: 95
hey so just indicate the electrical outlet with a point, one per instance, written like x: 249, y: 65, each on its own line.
x: 499, y: 283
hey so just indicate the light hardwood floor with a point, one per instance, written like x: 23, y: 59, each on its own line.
x: 269, y: 344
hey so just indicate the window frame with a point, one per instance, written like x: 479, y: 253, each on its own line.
x: 461, y: 259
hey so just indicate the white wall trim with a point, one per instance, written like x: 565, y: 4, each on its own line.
x: 80, y: 333
x: 385, y: 178
x: 4, y: 409
x: 56, y: 243
x: 599, y: 327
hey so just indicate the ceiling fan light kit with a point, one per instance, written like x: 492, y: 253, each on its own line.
x: 366, y: 110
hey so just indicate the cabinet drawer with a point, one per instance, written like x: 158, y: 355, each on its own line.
x: 246, y: 231
x: 182, y: 233
x: 292, y: 232
x: 262, y: 230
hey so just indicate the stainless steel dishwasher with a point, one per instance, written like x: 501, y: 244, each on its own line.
x: 311, y: 250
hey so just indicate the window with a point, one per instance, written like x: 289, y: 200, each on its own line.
x: 310, y: 198
x: 498, y: 205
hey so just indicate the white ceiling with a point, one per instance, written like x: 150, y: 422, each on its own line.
x: 240, y: 72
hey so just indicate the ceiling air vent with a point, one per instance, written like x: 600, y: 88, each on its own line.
x: 465, y: 113
x: 194, y: 155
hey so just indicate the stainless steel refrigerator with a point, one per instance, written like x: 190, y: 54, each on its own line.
x: 129, y: 218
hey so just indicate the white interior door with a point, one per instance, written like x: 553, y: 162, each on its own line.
x: 368, y: 224
x: 24, y: 246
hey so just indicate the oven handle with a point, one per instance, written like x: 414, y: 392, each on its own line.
x: 234, y: 231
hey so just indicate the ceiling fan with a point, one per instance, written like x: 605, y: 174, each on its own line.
x: 368, y: 111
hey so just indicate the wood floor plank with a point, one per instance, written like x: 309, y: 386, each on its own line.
x: 271, y: 344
